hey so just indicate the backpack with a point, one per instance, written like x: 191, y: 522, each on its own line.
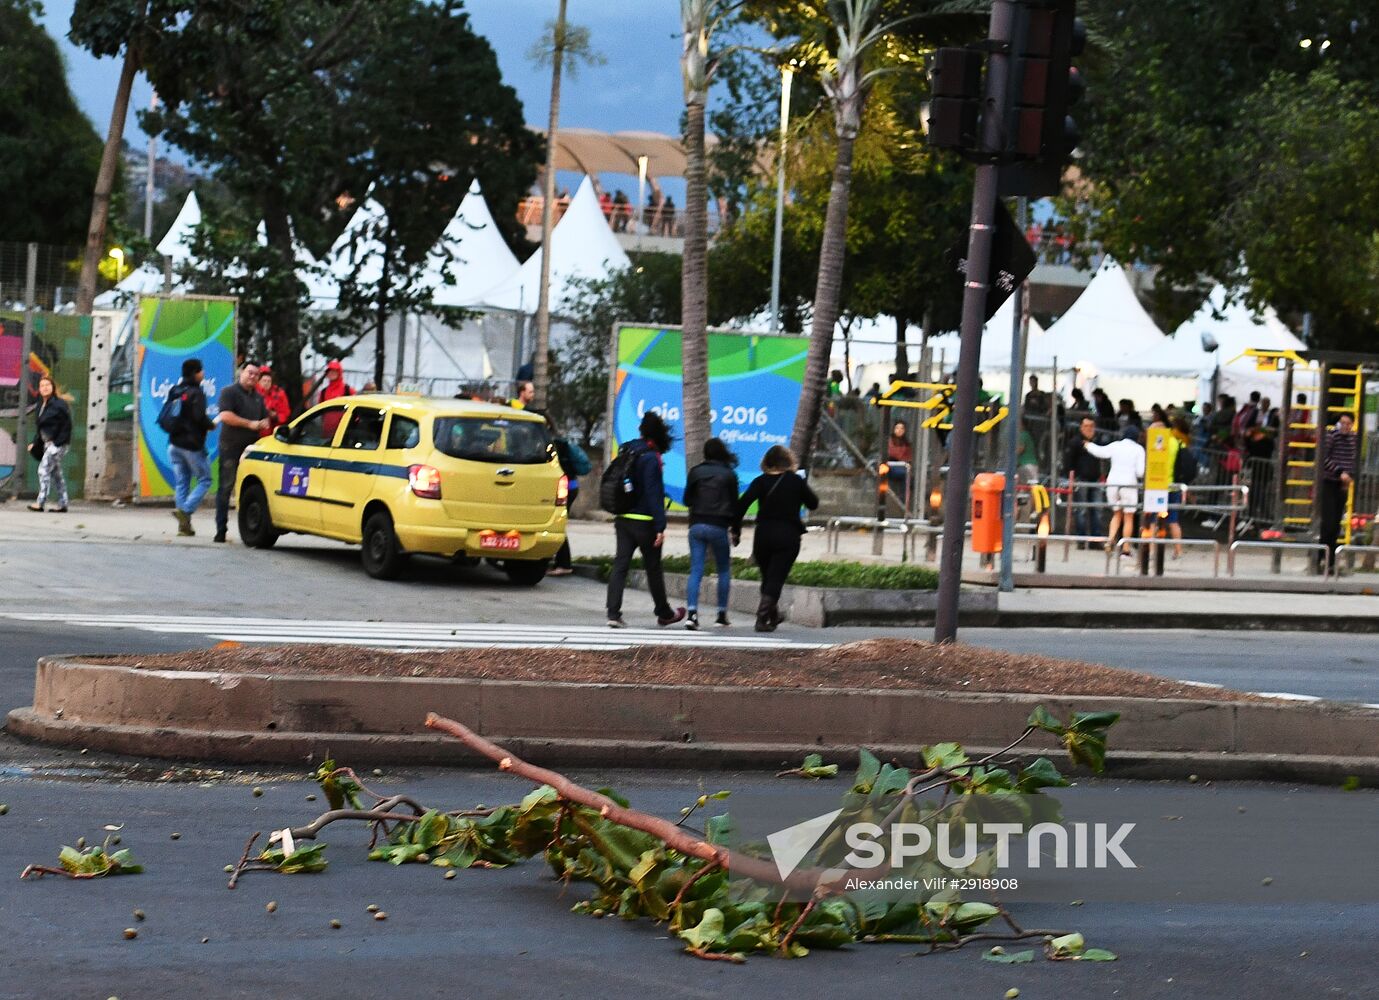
x: 1184, y: 467
x: 618, y: 488
x: 170, y: 416
x: 579, y: 460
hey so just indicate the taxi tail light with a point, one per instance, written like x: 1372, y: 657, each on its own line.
x: 425, y: 481
x: 562, y: 491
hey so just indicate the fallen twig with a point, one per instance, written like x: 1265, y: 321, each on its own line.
x: 244, y: 859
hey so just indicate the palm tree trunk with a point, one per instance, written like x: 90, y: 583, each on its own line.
x: 105, y: 184
x: 827, y: 294
x: 541, y: 362
x: 694, y: 317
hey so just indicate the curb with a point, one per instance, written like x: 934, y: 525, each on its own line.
x: 257, y: 718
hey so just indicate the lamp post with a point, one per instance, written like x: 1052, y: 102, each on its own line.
x: 787, y: 78
x: 640, y: 217
x: 117, y: 255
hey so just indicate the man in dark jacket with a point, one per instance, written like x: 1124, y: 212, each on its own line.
x: 1338, y: 475
x: 1085, y: 468
x: 643, y: 528
x: 187, y: 446
x: 242, y: 416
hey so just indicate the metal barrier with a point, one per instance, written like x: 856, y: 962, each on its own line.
x: 1122, y: 544
x: 834, y: 526
x: 1335, y: 567
x: 1278, y: 547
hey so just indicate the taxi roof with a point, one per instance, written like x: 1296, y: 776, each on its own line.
x: 443, y: 406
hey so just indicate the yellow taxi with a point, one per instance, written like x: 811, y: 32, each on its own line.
x: 404, y: 475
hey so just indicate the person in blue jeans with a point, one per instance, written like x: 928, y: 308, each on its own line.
x: 711, y: 495
x: 187, y: 446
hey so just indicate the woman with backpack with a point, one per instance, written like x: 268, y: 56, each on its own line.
x: 573, y: 463
x: 779, y: 494
x: 633, y: 490
x: 52, y: 435
x: 714, y: 525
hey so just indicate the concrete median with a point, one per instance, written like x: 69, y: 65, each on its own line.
x: 280, y: 719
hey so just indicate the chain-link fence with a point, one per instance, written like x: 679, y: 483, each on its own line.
x: 51, y: 272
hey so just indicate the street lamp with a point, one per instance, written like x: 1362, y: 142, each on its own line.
x: 787, y: 77
x: 641, y: 195
x: 117, y: 255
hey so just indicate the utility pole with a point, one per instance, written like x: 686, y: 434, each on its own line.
x: 787, y: 78
x: 540, y: 364
x: 149, y: 180
x: 981, y: 231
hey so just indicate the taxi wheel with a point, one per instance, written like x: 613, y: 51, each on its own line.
x: 525, y: 572
x: 255, y: 522
x: 382, y: 555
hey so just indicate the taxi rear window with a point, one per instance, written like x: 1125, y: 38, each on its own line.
x: 493, y: 439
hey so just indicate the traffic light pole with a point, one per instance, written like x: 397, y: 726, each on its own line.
x: 1013, y: 420
x: 979, y: 244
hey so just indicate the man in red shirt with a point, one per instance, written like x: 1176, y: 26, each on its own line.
x: 274, y: 400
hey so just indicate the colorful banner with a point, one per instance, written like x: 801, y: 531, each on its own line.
x: 754, y: 390
x: 1159, y: 452
x: 60, y: 347
x: 171, y: 331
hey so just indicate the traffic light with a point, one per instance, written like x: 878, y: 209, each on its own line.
x: 955, y: 76
x: 1044, y: 84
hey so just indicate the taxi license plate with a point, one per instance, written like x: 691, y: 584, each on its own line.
x: 508, y: 543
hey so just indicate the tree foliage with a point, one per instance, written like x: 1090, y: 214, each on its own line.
x: 49, y: 153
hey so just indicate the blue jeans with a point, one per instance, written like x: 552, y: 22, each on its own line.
x: 702, y: 538
x: 1087, y: 519
x: 188, y: 465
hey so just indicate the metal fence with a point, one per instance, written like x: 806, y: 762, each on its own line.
x: 54, y: 273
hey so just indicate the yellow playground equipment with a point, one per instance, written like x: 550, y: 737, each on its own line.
x: 939, y: 404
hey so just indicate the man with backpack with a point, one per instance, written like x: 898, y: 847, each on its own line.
x: 633, y: 491
x: 184, y: 418
x: 573, y: 463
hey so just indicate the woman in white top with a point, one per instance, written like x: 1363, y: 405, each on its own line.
x: 1122, y: 481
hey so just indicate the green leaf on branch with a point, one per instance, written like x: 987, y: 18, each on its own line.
x: 868, y: 770
x: 309, y: 858
x: 1039, y: 774
x: 813, y: 767
x: 999, y: 954
x: 948, y: 756
x: 96, y: 862
x: 1041, y: 718
x: 1097, y: 955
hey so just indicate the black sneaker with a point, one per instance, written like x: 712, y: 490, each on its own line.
x: 692, y: 621
x: 722, y: 620
x: 675, y: 616
x: 219, y: 538
x: 616, y: 622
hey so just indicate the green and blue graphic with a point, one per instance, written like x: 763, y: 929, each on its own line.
x: 754, y: 391
x: 170, y: 332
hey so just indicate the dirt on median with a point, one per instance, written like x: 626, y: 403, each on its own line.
x: 873, y: 663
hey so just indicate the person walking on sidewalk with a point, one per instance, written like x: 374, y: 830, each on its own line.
x: 242, y: 416
x: 1086, y: 472
x: 711, y: 495
x: 1338, y: 473
x: 187, y: 446
x: 779, y: 494
x: 53, y: 433
x: 643, y: 527
x: 1122, y: 481
x: 573, y: 463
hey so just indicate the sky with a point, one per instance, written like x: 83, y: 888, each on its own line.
x: 637, y: 88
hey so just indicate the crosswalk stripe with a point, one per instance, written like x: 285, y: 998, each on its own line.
x: 418, y: 635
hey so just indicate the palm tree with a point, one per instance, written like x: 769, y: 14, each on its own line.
x: 846, y: 85
x: 699, y: 19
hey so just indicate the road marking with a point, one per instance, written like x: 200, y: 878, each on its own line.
x: 421, y: 635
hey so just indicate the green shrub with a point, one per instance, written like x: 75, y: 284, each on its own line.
x: 811, y: 573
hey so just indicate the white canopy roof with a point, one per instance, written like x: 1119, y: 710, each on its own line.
x: 996, y: 337
x: 582, y: 246
x: 174, y: 242
x: 1234, y: 328
x: 1102, y: 328
x: 477, y: 256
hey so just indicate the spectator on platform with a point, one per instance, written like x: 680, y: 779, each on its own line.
x: 1128, y: 416
x: 668, y: 217
x: 874, y: 393
x: 622, y: 211
x: 606, y: 205
x: 1105, y: 411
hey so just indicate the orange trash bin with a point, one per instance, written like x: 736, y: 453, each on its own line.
x: 987, y: 489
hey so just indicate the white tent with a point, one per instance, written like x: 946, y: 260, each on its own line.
x: 582, y: 246
x: 996, y: 337
x: 1103, y: 327
x: 1234, y: 329
x: 474, y: 253
x: 147, y: 279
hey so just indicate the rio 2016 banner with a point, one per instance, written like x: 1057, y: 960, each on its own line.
x: 172, y: 330
x: 754, y: 391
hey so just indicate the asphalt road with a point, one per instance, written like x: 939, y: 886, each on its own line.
x: 509, y: 933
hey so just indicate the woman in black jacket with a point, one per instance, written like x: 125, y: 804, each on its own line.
x: 779, y: 494
x: 53, y: 421
x: 711, y: 496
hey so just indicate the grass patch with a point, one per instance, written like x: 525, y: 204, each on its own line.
x: 809, y: 573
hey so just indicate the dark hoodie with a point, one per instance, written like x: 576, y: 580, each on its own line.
x: 53, y: 421
x: 650, y: 502
x: 193, y: 424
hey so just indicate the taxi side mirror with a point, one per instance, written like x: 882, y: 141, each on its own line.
x: 282, y: 433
